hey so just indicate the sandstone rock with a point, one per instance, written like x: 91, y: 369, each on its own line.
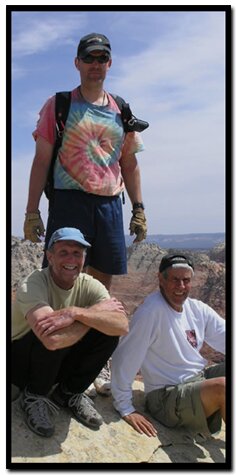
x: 217, y: 253
x: 115, y: 442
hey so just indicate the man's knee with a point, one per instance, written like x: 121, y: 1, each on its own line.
x: 212, y: 394
x: 219, y: 387
x: 215, y: 386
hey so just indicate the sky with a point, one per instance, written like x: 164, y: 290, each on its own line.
x: 170, y: 66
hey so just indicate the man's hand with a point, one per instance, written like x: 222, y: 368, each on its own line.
x: 33, y: 227
x: 55, y: 321
x: 141, y: 424
x: 108, y: 305
x: 54, y: 331
x: 138, y: 225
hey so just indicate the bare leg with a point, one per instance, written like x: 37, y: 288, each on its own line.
x: 212, y: 393
x: 105, y: 279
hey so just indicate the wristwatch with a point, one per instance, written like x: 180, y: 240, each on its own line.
x: 138, y: 205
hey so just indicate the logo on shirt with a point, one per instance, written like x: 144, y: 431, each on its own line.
x: 191, y: 337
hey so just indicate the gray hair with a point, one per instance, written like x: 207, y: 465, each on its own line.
x: 177, y: 266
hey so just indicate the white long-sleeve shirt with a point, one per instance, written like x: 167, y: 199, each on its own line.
x: 164, y: 344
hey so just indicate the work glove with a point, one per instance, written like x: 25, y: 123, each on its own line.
x: 33, y: 226
x: 138, y: 225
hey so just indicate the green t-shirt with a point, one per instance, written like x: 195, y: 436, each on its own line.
x: 40, y: 288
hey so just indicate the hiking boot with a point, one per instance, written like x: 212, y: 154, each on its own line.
x: 81, y: 406
x: 38, y: 410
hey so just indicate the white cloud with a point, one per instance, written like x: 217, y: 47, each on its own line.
x: 179, y: 62
x: 42, y: 33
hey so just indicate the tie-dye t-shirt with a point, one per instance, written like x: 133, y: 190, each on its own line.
x: 92, y: 145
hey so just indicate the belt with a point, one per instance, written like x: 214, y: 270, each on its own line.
x: 198, y: 376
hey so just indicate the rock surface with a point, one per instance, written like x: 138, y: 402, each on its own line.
x: 115, y: 442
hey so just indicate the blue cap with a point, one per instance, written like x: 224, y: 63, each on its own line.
x: 68, y: 234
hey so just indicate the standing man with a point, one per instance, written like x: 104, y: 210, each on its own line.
x: 94, y: 164
x: 166, y: 334
x: 65, y: 326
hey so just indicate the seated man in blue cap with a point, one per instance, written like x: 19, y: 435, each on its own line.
x: 164, y: 341
x: 65, y: 327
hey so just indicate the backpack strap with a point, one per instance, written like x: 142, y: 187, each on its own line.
x: 62, y: 105
x: 130, y: 122
x: 119, y: 100
x: 126, y: 113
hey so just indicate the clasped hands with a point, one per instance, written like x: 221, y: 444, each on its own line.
x: 55, y: 321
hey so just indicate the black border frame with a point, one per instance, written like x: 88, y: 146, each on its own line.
x: 229, y: 186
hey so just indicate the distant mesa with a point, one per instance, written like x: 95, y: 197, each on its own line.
x: 183, y: 241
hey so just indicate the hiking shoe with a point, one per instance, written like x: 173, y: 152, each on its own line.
x: 80, y: 405
x: 102, y: 386
x: 84, y: 411
x: 38, y: 412
x: 103, y: 381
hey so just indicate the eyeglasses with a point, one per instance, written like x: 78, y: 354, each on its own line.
x: 102, y: 59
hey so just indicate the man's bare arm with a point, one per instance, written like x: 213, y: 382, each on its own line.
x: 39, y: 172
x: 131, y: 175
x: 64, y: 327
x: 107, y: 316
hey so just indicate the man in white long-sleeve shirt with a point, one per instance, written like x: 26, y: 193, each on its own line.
x: 166, y: 333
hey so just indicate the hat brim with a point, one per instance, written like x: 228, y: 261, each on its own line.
x: 82, y: 242
x: 69, y: 238
x: 89, y: 49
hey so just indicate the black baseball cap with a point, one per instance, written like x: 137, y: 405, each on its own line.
x: 170, y: 259
x: 93, y: 42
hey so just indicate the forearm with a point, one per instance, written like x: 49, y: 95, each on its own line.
x: 66, y: 337
x: 107, y: 317
x: 39, y: 172
x: 55, y: 329
x: 64, y: 327
x: 37, y: 183
x: 131, y: 175
x: 109, y: 324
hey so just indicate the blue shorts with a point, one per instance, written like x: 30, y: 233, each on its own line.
x: 100, y: 219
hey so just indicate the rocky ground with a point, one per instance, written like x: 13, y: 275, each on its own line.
x: 116, y: 442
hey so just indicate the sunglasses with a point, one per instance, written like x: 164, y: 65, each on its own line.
x: 102, y: 59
